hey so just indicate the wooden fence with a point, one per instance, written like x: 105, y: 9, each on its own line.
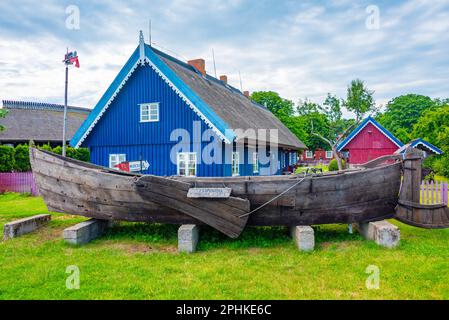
x: 433, y: 192
x: 21, y: 182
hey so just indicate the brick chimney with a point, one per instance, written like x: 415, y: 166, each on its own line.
x: 199, y: 64
x: 224, y: 79
x: 246, y: 94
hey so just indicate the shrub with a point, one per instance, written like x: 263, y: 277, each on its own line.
x: 441, y: 166
x: 70, y: 152
x: 333, y: 165
x: 6, y: 159
x: 57, y: 149
x: 22, y: 158
x: 83, y: 154
x: 45, y: 147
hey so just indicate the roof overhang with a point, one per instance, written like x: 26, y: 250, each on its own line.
x: 144, y: 55
x: 361, y: 126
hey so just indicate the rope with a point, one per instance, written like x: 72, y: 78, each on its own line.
x: 276, y: 197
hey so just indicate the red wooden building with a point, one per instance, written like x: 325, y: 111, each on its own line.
x: 319, y: 155
x: 368, y: 141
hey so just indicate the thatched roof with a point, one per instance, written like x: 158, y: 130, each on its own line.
x: 40, y: 122
x: 237, y: 110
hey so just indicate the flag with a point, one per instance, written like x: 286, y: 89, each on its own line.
x: 76, y: 61
x: 72, y: 58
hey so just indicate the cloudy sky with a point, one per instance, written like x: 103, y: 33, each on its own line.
x: 301, y: 49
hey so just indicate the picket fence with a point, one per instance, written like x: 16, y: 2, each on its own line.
x: 434, y: 192
x: 21, y: 182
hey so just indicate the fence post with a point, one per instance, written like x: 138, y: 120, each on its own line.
x: 444, y: 194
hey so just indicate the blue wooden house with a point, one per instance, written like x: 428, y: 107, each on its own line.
x: 183, y: 121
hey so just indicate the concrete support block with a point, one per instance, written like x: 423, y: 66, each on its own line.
x: 86, y: 231
x: 188, y: 235
x: 382, y: 232
x: 19, y: 227
x: 304, y: 237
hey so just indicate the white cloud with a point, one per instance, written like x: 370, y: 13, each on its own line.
x: 300, y: 49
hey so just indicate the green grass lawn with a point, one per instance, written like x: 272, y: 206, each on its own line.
x: 140, y: 261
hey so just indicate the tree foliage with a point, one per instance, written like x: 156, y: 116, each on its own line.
x: 403, y: 112
x: 433, y: 126
x: 332, y: 108
x: 333, y: 165
x: 3, y: 113
x: 280, y: 107
x: 359, y: 99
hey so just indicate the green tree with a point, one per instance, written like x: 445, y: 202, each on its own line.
x: 332, y: 108
x: 22, y: 158
x: 279, y: 106
x: 307, y: 107
x: 315, y: 122
x: 3, y: 113
x: 433, y: 126
x: 403, y: 112
x: 359, y: 99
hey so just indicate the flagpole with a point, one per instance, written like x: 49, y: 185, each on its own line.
x: 65, y: 106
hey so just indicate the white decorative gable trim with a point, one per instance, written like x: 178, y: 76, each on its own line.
x: 178, y: 92
x: 106, y: 106
x: 188, y: 102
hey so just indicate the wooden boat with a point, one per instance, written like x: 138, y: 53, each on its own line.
x: 227, y: 204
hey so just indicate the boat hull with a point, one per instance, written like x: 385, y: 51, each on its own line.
x: 78, y: 188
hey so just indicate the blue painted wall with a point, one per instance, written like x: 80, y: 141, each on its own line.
x: 119, y: 131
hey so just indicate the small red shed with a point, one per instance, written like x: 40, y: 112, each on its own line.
x: 368, y: 141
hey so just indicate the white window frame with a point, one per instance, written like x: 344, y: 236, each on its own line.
x: 309, y: 154
x: 117, y: 157
x: 149, y: 112
x: 187, y: 163
x: 235, y: 164
x: 255, y: 162
x: 329, y: 156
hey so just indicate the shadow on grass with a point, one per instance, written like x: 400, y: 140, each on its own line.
x: 251, y: 237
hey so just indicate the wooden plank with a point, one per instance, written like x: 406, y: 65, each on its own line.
x: 221, y: 193
x: 218, y: 214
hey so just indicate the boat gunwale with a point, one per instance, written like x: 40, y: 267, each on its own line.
x: 116, y: 172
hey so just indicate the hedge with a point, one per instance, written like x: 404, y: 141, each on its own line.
x: 22, y: 158
x: 7, y: 162
x: 17, y: 159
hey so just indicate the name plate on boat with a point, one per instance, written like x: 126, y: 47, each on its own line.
x: 209, y: 193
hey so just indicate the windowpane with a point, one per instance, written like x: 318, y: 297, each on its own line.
x: 115, y: 159
x: 255, y: 162
x: 235, y: 163
x: 187, y: 164
x: 149, y: 112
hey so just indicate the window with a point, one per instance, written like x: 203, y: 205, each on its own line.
x: 293, y: 159
x: 187, y: 164
x: 255, y: 162
x: 309, y: 154
x: 149, y: 112
x: 329, y: 154
x: 235, y: 163
x: 115, y: 159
